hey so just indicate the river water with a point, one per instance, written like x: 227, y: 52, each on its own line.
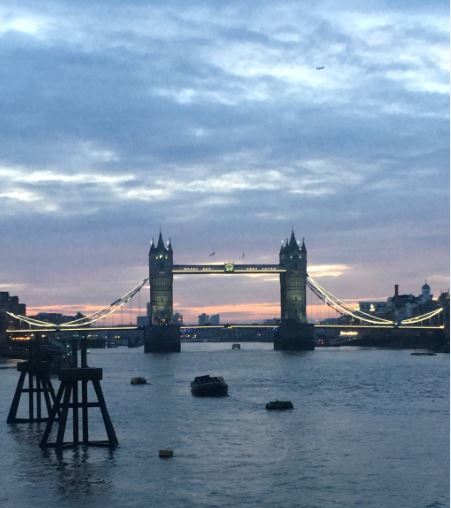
x: 370, y: 428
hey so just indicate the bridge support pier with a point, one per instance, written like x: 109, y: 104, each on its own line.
x: 39, y: 390
x: 294, y: 336
x: 162, y: 339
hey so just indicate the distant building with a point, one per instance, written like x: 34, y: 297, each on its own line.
x: 404, y: 306
x: 177, y: 319
x: 443, y: 300
x: 426, y: 296
x: 271, y: 321
x: 9, y: 304
x: 401, y: 306
x: 340, y: 320
x: 205, y: 319
x: 372, y: 307
x: 215, y: 319
x: 142, y: 321
x: 56, y: 318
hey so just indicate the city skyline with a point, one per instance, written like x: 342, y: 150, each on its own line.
x: 226, y: 126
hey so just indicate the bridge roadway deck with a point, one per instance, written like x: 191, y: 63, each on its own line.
x: 119, y: 328
x: 217, y: 268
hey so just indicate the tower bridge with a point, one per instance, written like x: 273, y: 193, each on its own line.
x: 293, y: 332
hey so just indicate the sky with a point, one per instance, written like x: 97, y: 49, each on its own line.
x: 212, y: 121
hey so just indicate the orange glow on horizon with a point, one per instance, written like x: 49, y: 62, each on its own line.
x: 236, y: 313
x: 250, y: 312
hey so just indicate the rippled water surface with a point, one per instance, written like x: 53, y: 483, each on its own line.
x: 370, y: 428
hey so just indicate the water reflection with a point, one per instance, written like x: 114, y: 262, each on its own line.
x: 82, y: 471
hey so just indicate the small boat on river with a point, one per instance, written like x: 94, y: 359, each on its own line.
x: 236, y: 346
x: 166, y: 453
x: 209, y: 386
x: 279, y: 405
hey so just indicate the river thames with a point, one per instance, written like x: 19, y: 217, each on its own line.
x: 370, y: 428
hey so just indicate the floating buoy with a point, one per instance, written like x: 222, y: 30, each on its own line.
x: 165, y: 453
x: 138, y: 381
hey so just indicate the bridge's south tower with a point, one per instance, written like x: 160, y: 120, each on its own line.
x: 294, y: 332
x: 293, y: 282
x: 161, y: 282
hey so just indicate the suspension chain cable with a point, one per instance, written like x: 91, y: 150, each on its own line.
x: 85, y: 320
x: 341, y: 307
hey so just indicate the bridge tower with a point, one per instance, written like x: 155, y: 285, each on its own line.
x: 162, y: 335
x: 293, y: 282
x: 294, y: 332
x: 161, y: 282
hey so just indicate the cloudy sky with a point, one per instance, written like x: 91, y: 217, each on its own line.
x: 210, y: 119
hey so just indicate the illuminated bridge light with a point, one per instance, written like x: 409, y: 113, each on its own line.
x: 348, y: 333
x: 21, y: 338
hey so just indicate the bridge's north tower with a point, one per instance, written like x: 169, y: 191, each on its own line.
x: 161, y: 282
x: 162, y: 335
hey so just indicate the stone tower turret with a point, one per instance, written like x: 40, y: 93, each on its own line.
x: 161, y: 282
x: 293, y: 282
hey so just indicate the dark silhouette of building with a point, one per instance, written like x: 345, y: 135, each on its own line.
x: 402, y: 306
x: 9, y: 304
x: 205, y: 319
x: 56, y: 317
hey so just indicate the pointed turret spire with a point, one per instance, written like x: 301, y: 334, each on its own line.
x: 303, y: 248
x: 293, y: 243
x: 160, y: 244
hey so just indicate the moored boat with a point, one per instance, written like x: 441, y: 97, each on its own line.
x: 279, y: 405
x: 209, y: 386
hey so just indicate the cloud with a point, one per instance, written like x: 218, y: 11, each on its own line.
x: 212, y: 120
x: 20, y: 195
x: 309, y: 178
x: 328, y: 270
x: 25, y: 23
